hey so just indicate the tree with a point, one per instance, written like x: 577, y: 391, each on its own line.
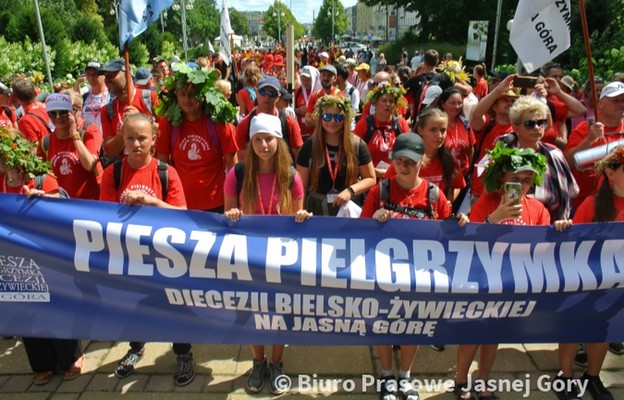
x: 272, y: 26
x: 331, y: 19
x: 239, y: 23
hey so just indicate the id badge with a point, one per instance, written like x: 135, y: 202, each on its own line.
x: 331, y: 196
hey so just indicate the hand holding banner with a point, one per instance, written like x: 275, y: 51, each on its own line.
x: 540, y: 31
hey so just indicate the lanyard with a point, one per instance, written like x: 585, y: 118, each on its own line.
x: 271, y: 195
x: 333, y: 172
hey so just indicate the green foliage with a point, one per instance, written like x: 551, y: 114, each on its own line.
x: 503, y: 159
x: 202, y: 82
x: 20, y: 57
x: 139, y: 55
x: 87, y: 28
x: 24, y: 25
x: 239, y: 23
x: 19, y: 154
x: 271, y: 25
x: 73, y: 56
x: 323, y: 25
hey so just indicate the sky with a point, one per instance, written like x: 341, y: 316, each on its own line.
x: 301, y: 9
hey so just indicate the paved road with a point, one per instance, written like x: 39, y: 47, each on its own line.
x: 222, y: 370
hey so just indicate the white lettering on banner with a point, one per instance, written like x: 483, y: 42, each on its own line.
x: 390, y: 264
x: 21, y: 280
x: 90, y: 239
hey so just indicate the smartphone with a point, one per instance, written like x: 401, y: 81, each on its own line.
x: 513, y: 191
x: 525, y: 81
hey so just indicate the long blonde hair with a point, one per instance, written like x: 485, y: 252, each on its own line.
x: 348, y: 142
x: 282, y: 163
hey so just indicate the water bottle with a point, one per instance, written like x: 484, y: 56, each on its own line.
x: 585, y: 159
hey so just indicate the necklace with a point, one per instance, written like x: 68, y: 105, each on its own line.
x: 271, y: 197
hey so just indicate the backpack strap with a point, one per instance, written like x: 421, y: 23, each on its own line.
x: 433, y: 195
x: 285, y: 131
x: 212, y: 134
x: 8, y: 112
x: 384, y: 190
x: 39, y: 179
x: 239, y: 172
x: 163, y: 175
x: 370, y: 128
x: 45, y: 142
x: 146, y: 95
x: 32, y: 114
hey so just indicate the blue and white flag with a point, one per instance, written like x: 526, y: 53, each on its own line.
x: 225, y: 49
x: 135, y: 15
x: 540, y: 31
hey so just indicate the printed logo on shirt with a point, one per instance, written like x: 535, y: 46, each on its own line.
x: 139, y: 188
x: 193, y: 146
x: 513, y: 221
x: 64, y: 161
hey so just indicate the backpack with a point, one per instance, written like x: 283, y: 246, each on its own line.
x: 239, y: 172
x: 371, y: 128
x: 163, y: 175
x: 433, y: 194
x: 252, y: 92
x: 45, y: 142
x: 39, y: 179
x: 212, y: 135
x: 8, y: 112
x: 147, y: 100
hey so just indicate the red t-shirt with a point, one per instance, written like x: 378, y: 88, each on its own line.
x: 586, y: 211
x: 481, y: 88
x: 586, y: 180
x: 145, y: 180
x: 533, y: 211
x: 300, y: 102
x: 416, y: 198
x: 459, y: 142
x: 49, y: 185
x: 245, y: 96
x: 200, y: 164
x: 31, y: 125
x: 488, y: 144
x: 320, y: 93
x: 6, y: 120
x: 561, y: 113
x: 111, y: 127
x: 432, y: 171
x: 295, y: 140
x: 62, y: 154
x: 380, y: 144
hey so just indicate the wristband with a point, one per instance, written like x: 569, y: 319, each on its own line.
x: 488, y: 220
x: 350, y: 189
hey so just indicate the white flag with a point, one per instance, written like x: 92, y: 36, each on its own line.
x: 226, y: 31
x: 210, y: 48
x: 540, y: 31
x: 135, y: 15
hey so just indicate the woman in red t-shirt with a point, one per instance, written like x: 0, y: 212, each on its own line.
x: 502, y: 204
x: 380, y: 129
x: 607, y: 205
x: 459, y: 140
x: 73, y: 148
x: 18, y: 166
x: 408, y: 197
x: 246, y: 97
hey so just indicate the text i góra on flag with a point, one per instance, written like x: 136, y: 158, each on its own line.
x: 135, y: 15
x: 540, y: 31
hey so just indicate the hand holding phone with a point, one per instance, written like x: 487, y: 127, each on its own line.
x: 513, y: 191
x: 525, y: 82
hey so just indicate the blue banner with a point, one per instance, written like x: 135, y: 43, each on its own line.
x: 135, y: 15
x: 103, y: 271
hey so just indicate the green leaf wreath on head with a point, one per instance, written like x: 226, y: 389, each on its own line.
x: 384, y: 87
x: 340, y: 102
x: 215, y: 104
x: 503, y: 159
x: 19, y: 154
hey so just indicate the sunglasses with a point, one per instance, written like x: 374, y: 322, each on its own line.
x: 530, y: 124
x: 54, y: 114
x: 327, y: 117
x: 269, y: 93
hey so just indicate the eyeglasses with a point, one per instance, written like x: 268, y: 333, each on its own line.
x: 327, y: 117
x: 54, y: 114
x: 530, y: 124
x: 269, y: 93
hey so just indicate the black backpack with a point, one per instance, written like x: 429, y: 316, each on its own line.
x: 433, y: 194
x: 39, y: 179
x: 371, y: 128
x: 163, y: 175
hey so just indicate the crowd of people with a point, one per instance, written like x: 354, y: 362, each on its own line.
x: 353, y: 133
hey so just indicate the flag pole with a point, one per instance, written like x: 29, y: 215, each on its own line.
x: 43, y: 47
x: 129, y: 83
x: 588, y: 54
